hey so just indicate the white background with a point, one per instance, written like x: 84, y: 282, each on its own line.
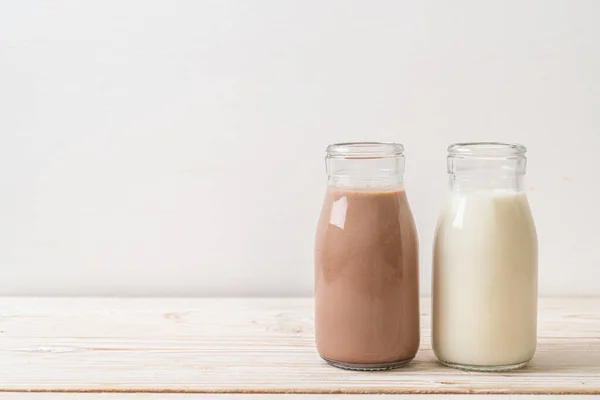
x: 176, y: 147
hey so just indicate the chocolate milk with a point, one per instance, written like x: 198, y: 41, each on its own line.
x: 366, y: 279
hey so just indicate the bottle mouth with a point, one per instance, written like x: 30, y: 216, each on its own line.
x: 365, y: 150
x: 487, y: 150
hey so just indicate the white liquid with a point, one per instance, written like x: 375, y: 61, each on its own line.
x: 485, y: 280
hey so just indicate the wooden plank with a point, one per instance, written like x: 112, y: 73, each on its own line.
x: 254, y: 346
x: 250, y: 396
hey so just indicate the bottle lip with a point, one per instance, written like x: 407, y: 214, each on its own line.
x: 365, y: 150
x: 486, y: 150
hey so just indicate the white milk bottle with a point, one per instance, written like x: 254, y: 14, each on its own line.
x: 484, y: 313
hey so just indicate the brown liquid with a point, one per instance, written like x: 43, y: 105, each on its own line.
x: 366, y: 279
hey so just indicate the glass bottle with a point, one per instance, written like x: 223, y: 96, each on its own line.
x: 366, y: 261
x: 485, y: 275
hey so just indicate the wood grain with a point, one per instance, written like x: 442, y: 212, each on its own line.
x: 266, y: 396
x: 254, y: 346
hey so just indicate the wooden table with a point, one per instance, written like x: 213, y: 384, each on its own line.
x: 178, y: 348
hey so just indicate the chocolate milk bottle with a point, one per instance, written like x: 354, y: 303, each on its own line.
x: 366, y: 261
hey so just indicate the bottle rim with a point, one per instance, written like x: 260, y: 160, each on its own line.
x: 365, y: 150
x: 486, y: 150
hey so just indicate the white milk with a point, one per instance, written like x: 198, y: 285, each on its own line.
x: 485, y: 280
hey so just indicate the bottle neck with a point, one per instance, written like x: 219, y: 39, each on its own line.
x: 488, y: 171
x: 486, y: 182
x: 368, y: 172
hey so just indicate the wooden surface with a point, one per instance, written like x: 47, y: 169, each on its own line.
x: 258, y: 346
x: 263, y: 396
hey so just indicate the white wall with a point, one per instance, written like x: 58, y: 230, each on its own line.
x: 176, y: 147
